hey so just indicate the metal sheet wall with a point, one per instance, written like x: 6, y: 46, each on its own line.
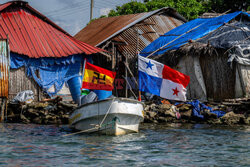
x: 4, y: 68
x: 149, y: 30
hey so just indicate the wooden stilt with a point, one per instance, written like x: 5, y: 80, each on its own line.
x: 2, y: 109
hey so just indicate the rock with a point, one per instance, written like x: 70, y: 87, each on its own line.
x: 170, y: 119
x: 68, y: 106
x: 186, y: 114
x: 152, y: 114
x: 214, y: 121
x: 32, y: 113
x: 10, y: 114
x: 50, y: 108
x: 65, y: 116
x: 52, y: 121
x: 165, y: 106
x: 45, y: 121
x: 161, y: 119
x: 37, y: 105
x: 24, y: 119
x: 42, y: 112
x: 170, y: 113
x: 155, y: 121
x: 184, y: 107
x: 41, y: 105
x: 244, y: 121
x: 37, y: 120
x: 146, y: 118
x: 248, y: 120
x: 147, y: 108
x: 232, y: 118
x: 154, y: 107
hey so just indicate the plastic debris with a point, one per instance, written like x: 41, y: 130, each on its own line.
x: 26, y: 96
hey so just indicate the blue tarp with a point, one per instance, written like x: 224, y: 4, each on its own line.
x: 191, y: 30
x: 198, y: 107
x: 52, y: 71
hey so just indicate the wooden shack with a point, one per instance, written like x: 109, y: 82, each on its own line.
x: 40, y: 51
x: 214, y: 52
x: 124, y: 36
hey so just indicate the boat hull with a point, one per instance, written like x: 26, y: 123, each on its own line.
x: 116, y: 116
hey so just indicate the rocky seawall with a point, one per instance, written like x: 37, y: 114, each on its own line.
x: 237, y: 111
x: 40, y: 112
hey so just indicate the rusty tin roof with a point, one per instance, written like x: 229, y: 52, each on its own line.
x: 103, y: 29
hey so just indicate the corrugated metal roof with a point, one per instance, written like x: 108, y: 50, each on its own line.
x: 32, y: 34
x: 103, y: 29
x: 123, y: 29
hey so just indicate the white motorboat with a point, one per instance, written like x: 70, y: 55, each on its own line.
x: 112, y: 116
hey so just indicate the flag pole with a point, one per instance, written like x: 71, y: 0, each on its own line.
x: 139, y: 94
x: 84, y: 64
x: 137, y: 54
x: 83, y: 71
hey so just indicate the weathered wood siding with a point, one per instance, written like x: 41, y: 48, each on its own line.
x: 219, y: 77
x: 244, y: 79
x: 19, y: 81
x: 190, y: 66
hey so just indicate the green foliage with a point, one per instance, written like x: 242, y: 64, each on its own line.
x: 221, y: 6
x: 190, y: 9
x: 129, y: 8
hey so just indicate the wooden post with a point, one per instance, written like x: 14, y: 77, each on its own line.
x: 2, y: 109
x: 114, y: 65
x: 91, y: 9
x: 113, y: 56
x: 136, y: 55
x: 126, y: 75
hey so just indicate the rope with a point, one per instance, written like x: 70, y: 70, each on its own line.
x: 106, y: 113
x: 96, y: 126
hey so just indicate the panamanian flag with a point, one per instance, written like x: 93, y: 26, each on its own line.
x: 161, y: 80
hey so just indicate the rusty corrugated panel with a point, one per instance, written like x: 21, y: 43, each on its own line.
x: 159, y: 24
x: 102, y: 28
x: 33, y: 35
x: 4, y: 69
